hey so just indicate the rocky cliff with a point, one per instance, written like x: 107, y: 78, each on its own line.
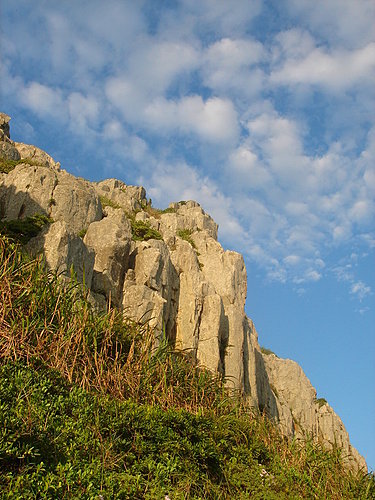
x: 164, y: 267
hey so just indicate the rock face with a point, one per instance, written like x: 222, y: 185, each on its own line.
x: 180, y: 281
x: 302, y: 414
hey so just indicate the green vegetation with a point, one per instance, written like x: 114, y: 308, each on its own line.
x: 321, y: 402
x: 185, y: 234
x: 82, y: 233
x: 24, y: 229
x: 142, y: 230
x: 157, y: 212
x: 90, y: 406
x: 7, y: 166
x: 106, y: 202
x: 266, y: 351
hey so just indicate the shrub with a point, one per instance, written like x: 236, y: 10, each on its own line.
x: 106, y: 202
x: 185, y: 234
x: 23, y: 230
x: 142, y: 230
x: 266, y: 351
x: 7, y: 166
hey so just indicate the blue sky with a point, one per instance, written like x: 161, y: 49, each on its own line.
x: 263, y: 112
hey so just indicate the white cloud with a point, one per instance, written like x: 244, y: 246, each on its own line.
x: 43, y: 100
x: 360, y: 289
x: 232, y: 65
x: 347, y: 22
x: 334, y: 70
x: 83, y: 111
x: 212, y: 120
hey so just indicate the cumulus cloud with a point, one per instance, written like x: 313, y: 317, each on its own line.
x: 346, y: 22
x: 42, y: 99
x: 337, y: 69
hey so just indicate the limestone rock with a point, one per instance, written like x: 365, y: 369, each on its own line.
x: 187, y: 215
x: 64, y: 252
x: 29, y: 190
x: 110, y: 239
x: 200, y: 312
x: 4, y: 126
x: 7, y: 149
x: 74, y: 201
x: 36, y: 155
x: 311, y: 417
x: 150, y: 286
x: 226, y: 271
x: 129, y: 198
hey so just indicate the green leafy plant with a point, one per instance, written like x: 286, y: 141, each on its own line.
x: 321, y: 402
x: 7, y: 166
x: 82, y: 233
x: 185, y: 234
x: 24, y: 229
x: 106, y: 202
x: 142, y: 230
x: 266, y: 351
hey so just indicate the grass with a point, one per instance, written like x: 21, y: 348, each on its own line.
x: 185, y: 234
x: 106, y: 202
x: 266, y: 351
x: 92, y: 405
x: 157, y: 212
x: 7, y: 166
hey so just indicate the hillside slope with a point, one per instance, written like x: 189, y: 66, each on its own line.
x: 166, y: 269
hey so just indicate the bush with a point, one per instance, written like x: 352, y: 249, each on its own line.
x: 24, y: 229
x: 142, y: 230
x: 185, y: 234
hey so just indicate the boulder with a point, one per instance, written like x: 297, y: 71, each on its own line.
x: 74, y: 201
x: 110, y: 240
x: 28, y: 191
x: 64, y: 252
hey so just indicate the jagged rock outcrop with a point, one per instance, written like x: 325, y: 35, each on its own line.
x: 178, y: 279
x: 303, y: 413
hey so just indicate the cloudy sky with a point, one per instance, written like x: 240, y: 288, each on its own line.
x: 261, y: 110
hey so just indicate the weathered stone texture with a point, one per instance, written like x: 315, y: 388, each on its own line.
x: 310, y: 417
